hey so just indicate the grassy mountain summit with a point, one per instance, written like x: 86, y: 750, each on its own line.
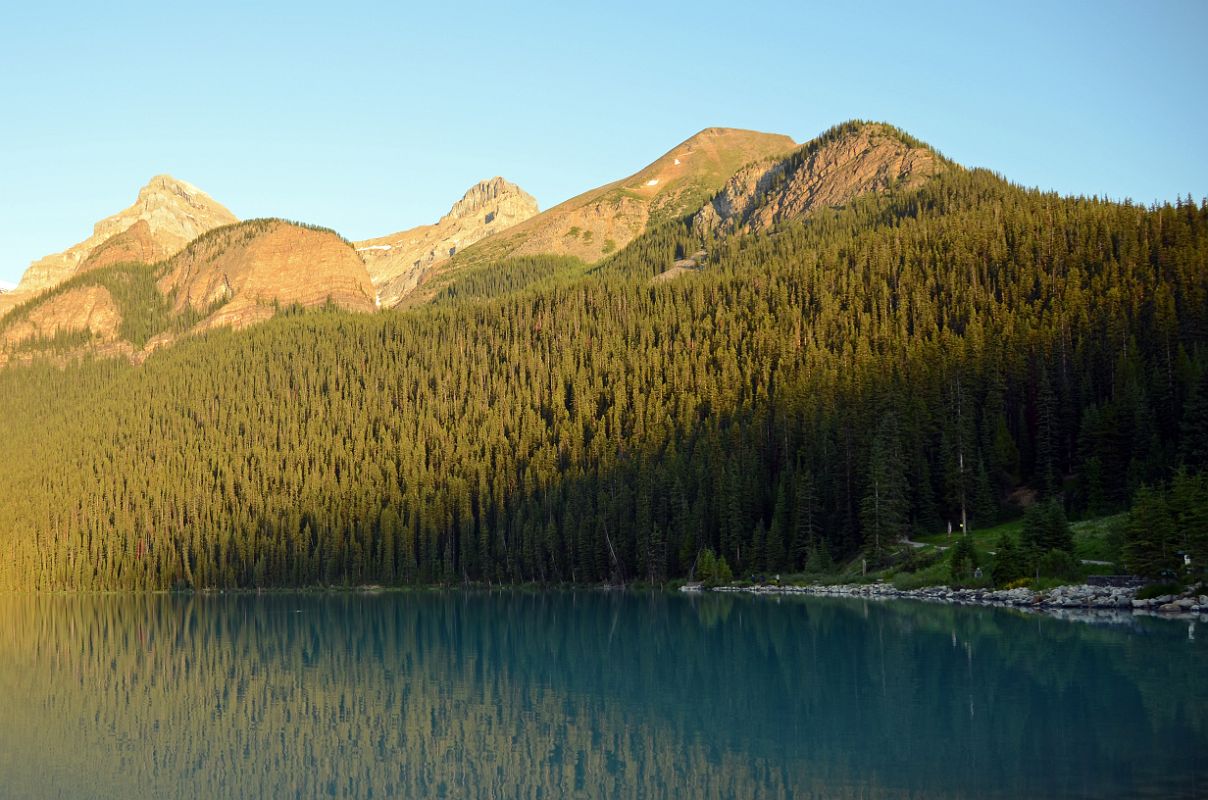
x: 844, y: 163
x: 818, y: 386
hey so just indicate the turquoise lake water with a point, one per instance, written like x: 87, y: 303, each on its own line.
x: 590, y: 694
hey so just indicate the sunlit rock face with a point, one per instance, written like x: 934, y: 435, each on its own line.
x: 398, y: 262
x: 868, y: 158
x: 167, y: 215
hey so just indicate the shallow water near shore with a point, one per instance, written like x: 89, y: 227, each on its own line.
x: 590, y: 694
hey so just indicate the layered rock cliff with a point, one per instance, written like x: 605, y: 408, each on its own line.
x: 87, y: 308
x: 232, y: 276
x: 398, y: 262
x: 137, y: 244
x: 247, y: 271
x: 849, y: 161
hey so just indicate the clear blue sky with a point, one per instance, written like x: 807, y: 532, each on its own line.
x: 370, y: 118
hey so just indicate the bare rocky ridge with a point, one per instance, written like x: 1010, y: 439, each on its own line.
x: 233, y: 276
x: 398, y: 262
x: 86, y: 308
x: 89, y: 308
x: 821, y: 174
x: 135, y: 244
x: 257, y: 266
x: 606, y: 219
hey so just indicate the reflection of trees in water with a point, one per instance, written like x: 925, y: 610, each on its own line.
x: 588, y: 694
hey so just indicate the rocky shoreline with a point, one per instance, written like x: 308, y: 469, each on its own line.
x: 1074, y: 597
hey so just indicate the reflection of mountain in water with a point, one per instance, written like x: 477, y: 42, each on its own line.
x: 588, y: 694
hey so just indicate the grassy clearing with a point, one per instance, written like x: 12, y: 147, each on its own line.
x: 983, y: 538
x: 1099, y: 539
x: 917, y: 568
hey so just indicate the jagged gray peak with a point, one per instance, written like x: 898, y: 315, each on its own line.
x: 488, y: 195
x: 174, y: 212
x: 399, y: 262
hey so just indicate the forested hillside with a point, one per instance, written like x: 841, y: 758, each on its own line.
x: 810, y: 392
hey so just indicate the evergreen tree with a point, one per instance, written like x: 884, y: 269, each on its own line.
x: 883, y: 510
x: 1149, y: 539
x: 1046, y: 528
x: 1193, y: 448
x: 1008, y: 561
x: 963, y: 560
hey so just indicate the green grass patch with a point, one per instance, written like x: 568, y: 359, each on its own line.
x: 1094, y: 539
x: 1099, y: 539
x: 938, y: 574
x: 983, y: 538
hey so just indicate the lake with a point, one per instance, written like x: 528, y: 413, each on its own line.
x: 590, y: 694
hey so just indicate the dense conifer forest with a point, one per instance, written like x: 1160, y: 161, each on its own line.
x: 804, y: 396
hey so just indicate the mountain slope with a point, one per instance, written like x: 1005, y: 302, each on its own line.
x: 398, y: 262
x: 964, y: 338
x: 89, y: 310
x: 603, y: 220
x: 135, y: 245
x: 251, y: 269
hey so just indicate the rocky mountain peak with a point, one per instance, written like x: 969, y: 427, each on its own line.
x: 166, y: 189
x: 167, y: 215
x: 399, y: 262
x: 485, y: 196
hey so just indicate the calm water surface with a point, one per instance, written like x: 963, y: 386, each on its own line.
x: 590, y: 695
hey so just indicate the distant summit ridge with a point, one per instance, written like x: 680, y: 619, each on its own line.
x: 398, y: 262
x: 168, y: 213
x: 486, y: 195
x: 232, y: 276
x: 720, y: 181
x: 603, y: 220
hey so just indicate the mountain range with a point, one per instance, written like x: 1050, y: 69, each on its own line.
x: 750, y: 354
x: 196, y: 267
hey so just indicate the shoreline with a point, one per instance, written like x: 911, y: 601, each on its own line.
x: 1102, y: 601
